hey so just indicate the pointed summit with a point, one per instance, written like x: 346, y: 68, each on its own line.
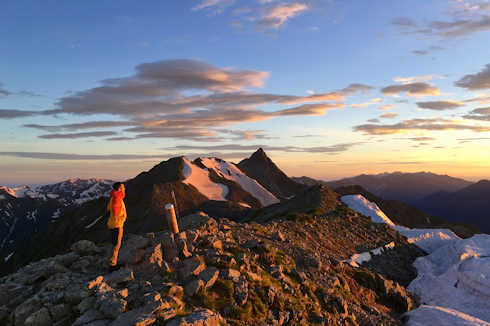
x: 261, y: 168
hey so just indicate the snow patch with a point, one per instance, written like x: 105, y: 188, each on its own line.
x: 199, y: 178
x: 453, y: 281
x: 231, y: 172
x: 367, y: 208
x: 357, y: 259
x: 6, y: 259
x: 94, y: 222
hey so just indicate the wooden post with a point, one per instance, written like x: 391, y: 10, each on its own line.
x: 171, y: 218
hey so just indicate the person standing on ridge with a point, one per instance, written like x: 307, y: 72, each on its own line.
x: 116, y: 221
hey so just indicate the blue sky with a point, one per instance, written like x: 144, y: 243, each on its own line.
x: 284, y: 68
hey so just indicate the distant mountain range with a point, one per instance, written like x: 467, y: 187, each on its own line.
x: 408, y: 187
x: 26, y: 211
x: 453, y: 199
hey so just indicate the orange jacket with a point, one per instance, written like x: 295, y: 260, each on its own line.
x: 117, y: 208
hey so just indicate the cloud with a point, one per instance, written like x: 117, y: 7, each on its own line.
x: 440, y: 105
x: 459, y: 27
x: 480, y: 80
x: 183, y: 99
x: 482, y: 114
x: 374, y: 120
x: 403, y: 22
x: 12, y: 114
x: 79, y: 135
x: 77, y: 157
x: 388, y: 115
x: 3, y: 91
x: 412, y: 89
x: 354, y: 88
x: 276, y: 16
x: 370, y: 102
x: 386, y: 107
x: 332, y: 149
x: 411, y: 79
x: 79, y: 126
x: 434, y: 124
x: 421, y: 139
x: 217, y: 5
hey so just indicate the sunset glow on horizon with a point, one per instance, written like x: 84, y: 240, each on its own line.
x: 328, y: 89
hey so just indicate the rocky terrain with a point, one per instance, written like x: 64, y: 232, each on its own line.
x: 27, y: 211
x: 216, y: 273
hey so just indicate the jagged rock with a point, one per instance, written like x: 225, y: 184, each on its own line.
x: 81, y: 265
x: 132, y: 249
x: 74, y: 294
x: 203, y: 317
x: 119, y: 276
x: 110, y: 304
x: 170, y: 249
x: 209, y: 276
x: 251, y: 244
x: 153, y: 302
x: 85, y: 247
x: 193, y: 286
x: 176, y: 291
x: 230, y: 274
x: 191, y: 266
x: 89, y: 316
x: 136, y: 317
x: 59, y: 311
x: 278, y: 236
x: 254, y: 276
x: 241, y: 291
x: 181, y: 244
x: 86, y: 304
x: 67, y: 259
x: 155, y: 255
x: 39, y: 318
x: 26, y: 309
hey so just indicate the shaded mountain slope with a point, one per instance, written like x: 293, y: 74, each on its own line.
x: 407, y: 187
x: 261, y: 168
x: 469, y: 205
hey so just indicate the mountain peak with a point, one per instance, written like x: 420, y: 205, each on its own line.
x: 259, y: 154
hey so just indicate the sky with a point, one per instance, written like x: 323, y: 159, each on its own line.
x: 328, y: 88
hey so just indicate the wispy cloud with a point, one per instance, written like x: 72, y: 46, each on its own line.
x: 84, y: 157
x: 431, y: 124
x: 412, y: 89
x: 184, y: 99
x: 3, y: 91
x: 216, y: 5
x: 440, y: 105
x: 79, y: 135
x: 482, y: 114
x: 478, y: 81
x: 279, y: 14
x: 332, y: 149
x: 368, y: 103
x: 388, y: 115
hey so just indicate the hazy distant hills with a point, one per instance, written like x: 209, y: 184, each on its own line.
x: 408, y: 187
x: 471, y: 204
x: 453, y: 199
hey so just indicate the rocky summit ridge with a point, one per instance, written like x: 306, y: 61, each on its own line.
x: 216, y: 272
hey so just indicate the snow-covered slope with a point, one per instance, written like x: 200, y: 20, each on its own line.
x: 199, y: 178
x: 231, y: 172
x: 367, y: 208
x: 453, y: 280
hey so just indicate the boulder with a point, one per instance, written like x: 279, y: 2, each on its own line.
x: 202, y: 317
x: 278, y: 236
x: 209, y: 276
x: 193, y: 286
x: 88, y: 317
x: 132, y: 250
x: 26, y: 309
x: 230, y: 274
x: 60, y: 311
x: 136, y: 317
x: 85, y: 247
x: 120, y: 276
x: 39, y: 318
x: 191, y: 266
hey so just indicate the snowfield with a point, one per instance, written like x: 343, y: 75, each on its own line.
x: 231, y: 172
x: 199, y: 178
x: 367, y: 208
x: 453, y: 281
